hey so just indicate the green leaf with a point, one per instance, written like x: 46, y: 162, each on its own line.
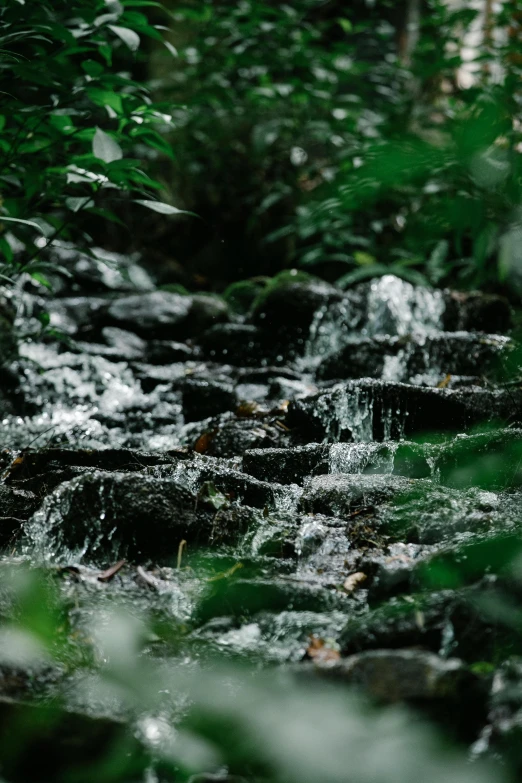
x: 92, y: 68
x: 162, y: 208
x: 45, y: 282
x: 30, y: 223
x: 172, y: 49
x: 105, y: 148
x: 129, y: 37
x: 346, y: 25
x: 76, y: 204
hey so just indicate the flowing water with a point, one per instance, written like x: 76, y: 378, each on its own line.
x: 127, y: 460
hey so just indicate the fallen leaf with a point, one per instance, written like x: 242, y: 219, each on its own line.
x: 354, y: 581
x: 247, y: 409
x: 203, y: 442
x: 444, y: 382
x: 107, y: 575
x: 321, y: 652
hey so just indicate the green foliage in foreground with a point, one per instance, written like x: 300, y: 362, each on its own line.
x: 274, y: 726
x: 75, y: 126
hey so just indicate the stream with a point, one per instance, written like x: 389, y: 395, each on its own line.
x: 323, y: 494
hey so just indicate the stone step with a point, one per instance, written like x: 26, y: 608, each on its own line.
x: 369, y: 410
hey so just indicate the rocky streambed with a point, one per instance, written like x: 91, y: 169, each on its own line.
x: 328, y: 489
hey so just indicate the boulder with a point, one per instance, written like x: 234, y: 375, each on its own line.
x: 114, y: 515
x: 340, y: 495
x: 158, y: 314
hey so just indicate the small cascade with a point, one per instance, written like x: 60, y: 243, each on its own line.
x: 359, y: 457
x: 330, y: 330
x: 353, y: 411
x: 387, y: 306
x: 396, y: 307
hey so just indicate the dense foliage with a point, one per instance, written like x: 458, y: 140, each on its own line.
x: 75, y: 125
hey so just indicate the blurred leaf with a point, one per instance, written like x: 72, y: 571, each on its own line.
x: 105, y: 148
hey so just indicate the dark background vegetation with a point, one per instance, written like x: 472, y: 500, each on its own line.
x: 342, y: 139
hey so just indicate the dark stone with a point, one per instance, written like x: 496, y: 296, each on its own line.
x: 202, y: 399
x: 241, y: 345
x: 16, y: 506
x: 475, y: 311
x: 293, y: 465
x: 41, y: 471
x: 169, y: 352
x: 158, y: 314
x: 206, y: 311
x: 402, y: 675
x: 460, y: 354
x: 234, y: 436
x: 449, y: 621
x: 291, y: 306
x: 113, y: 515
x: 376, y: 410
x: 286, y: 466
x: 341, y: 494
x: 362, y: 357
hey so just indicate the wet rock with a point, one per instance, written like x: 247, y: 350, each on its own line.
x: 340, y: 495
x: 391, y: 570
x: 242, y: 345
x: 490, y: 460
x: 202, y: 399
x: 169, y: 352
x: 447, y: 622
x: 476, y: 311
x: 158, y: 314
x: 41, y: 471
x: 16, y: 506
x: 361, y: 357
x: 82, y: 316
x: 375, y: 410
x: 231, y: 437
x: 206, y: 311
x: 286, y: 466
x: 432, y: 356
x: 114, y: 515
x: 241, y: 598
x: 289, y: 307
x: 429, y: 514
x: 293, y: 465
x: 97, y: 272
x: 402, y: 675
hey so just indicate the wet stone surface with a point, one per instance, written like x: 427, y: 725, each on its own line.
x: 332, y: 482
